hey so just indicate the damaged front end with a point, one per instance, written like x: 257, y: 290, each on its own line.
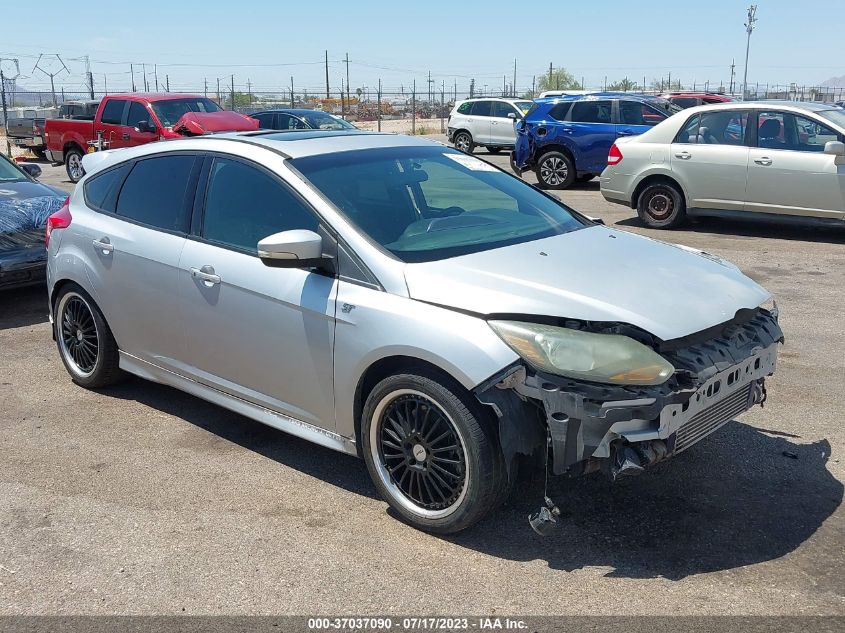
x: 582, y: 427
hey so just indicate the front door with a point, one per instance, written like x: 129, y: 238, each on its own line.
x: 131, y: 133
x: 263, y: 334
x: 112, y: 123
x: 710, y: 158
x: 788, y: 171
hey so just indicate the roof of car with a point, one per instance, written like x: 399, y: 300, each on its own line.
x: 636, y: 96
x: 300, y: 143
x: 494, y: 99
x: 768, y: 103
x: 299, y: 111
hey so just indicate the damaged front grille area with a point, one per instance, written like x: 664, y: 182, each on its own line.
x: 712, y: 418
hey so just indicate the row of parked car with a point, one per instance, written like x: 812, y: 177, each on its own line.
x: 717, y: 157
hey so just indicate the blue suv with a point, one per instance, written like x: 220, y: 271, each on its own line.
x: 566, y: 139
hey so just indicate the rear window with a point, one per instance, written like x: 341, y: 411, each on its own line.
x: 465, y: 107
x: 101, y: 189
x: 113, y: 111
x: 155, y: 192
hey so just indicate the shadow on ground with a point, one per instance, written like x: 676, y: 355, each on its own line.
x: 734, y: 499
x: 750, y: 229
x: 23, y: 307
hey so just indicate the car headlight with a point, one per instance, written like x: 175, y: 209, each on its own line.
x: 604, y: 358
x: 770, y: 306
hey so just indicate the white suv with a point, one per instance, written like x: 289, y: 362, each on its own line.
x: 769, y: 160
x: 487, y: 121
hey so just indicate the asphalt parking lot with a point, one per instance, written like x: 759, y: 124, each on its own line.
x: 140, y: 499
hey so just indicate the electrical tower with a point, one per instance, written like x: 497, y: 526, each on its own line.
x: 51, y: 75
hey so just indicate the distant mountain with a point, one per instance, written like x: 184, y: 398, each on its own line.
x: 834, y: 82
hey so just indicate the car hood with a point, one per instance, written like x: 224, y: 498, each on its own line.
x: 23, y: 217
x: 592, y: 274
x: 196, y: 123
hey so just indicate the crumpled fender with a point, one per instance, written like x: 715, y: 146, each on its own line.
x: 197, y: 123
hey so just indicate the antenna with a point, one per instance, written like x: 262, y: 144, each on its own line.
x: 51, y: 74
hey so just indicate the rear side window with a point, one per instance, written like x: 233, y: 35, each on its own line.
x: 684, y: 102
x: 113, y: 111
x: 591, y: 112
x: 560, y: 110
x: 101, y: 189
x: 481, y: 108
x: 265, y: 121
x: 155, y: 190
x: 243, y: 205
x: 465, y: 107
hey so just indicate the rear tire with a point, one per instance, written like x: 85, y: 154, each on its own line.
x: 73, y: 165
x: 463, y: 142
x: 431, y: 452
x: 555, y: 170
x: 86, y: 345
x: 661, y: 206
x: 38, y: 153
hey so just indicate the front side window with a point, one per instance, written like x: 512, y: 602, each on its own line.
x: 785, y: 130
x: 323, y: 121
x: 429, y: 203
x: 482, y: 108
x: 638, y: 113
x: 243, y: 205
x: 812, y: 136
x: 265, y: 120
x: 524, y: 106
x: 10, y: 172
x: 113, y: 112
x: 155, y: 191
x: 137, y: 113
x: 502, y: 109
x: 591, y: 112
x: 171, y: 110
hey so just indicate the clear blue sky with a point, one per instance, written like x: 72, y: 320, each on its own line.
x: 400, y: 41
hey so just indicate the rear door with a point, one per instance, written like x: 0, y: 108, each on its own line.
x: 593, y: 132
x: 263, y: 334
x: 134, y: 241
x: 478, y: 122
x: 710, y: 157
x: 788, y: 171
x: 112, y: 123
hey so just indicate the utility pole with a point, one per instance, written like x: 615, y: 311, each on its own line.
x: 534, y: 86
x: 5, y: 112
x: 218, y: 91
x: 204, y: 87
x: 731, y: 90
x: 233, y: 92
x: 670, y: 80
x: 414, y: 109
x: 348, y: 97
x: 550, y: 75
x: 89, y: 76
x: 749, y: 27
x: 155, y: 74
x: 105, y: 84
x: 249, y: 89
x: 132, y: 73
x: 504, y: 84
x: 442, y: 104
x: 51, y: 75
x: 378, y: 111
x: 513, y: 85
x: 429, y: 86
x: 291, y: 91
x: 327, y: 75
x: 471, y: 88
x: 144, y: 74
x: 167, y: 84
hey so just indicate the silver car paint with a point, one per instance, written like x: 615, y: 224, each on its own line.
x: 290, y: 387
x: 594, y: 274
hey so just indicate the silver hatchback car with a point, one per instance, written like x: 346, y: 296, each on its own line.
x: 393, y: 298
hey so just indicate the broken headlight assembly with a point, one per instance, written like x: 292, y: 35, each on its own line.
x: 770, y: 306
x: 603, y: 358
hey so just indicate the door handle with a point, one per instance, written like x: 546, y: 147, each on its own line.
x: 103, y: 244
x: 683, y: 155
x: 126, y: 136
x: 763, y: 160
x: 626, y: 133
x: 568, y: 130
x: 206, y: 275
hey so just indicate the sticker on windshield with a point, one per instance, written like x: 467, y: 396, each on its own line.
x: 470, y: 162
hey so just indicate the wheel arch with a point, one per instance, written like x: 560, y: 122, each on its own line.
x: 556, y: 146
x: 69, y: 145
x: 655, y: 178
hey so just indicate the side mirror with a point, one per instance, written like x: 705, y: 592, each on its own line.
x: 511, y: 115
x: 146, y: 126
x: 31, y: 169
x: 291, y: 249
x: 836, y: 149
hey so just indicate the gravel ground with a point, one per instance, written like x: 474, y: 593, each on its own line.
x: 140, y: 499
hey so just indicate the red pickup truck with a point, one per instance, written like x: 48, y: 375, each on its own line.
x: 126, y: 120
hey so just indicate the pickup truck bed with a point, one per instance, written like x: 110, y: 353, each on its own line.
x: 29, y: 133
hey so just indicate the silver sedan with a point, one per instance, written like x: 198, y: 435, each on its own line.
x: 392, y: 298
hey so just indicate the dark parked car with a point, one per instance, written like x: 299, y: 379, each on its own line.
x: 25, y: 205
x: 565, y: 139
x: 300, y: 119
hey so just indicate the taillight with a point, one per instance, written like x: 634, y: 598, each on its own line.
x: 614, y: 156
x: 58, y: 220
x: 35, y: 128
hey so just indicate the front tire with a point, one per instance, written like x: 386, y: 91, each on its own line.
x: 73, y: 165
x: 463, y: 142
x: 431, y: 452
x: 661, y: 206
x: 555, y: 170
x: 86, y: 345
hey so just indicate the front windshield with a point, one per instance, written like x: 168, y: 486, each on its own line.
x: 9, y: 172
x: 524, y: 106
x: 323, y: 121
x: 837, y: 117
x: 428, y: 203
x: 171, y: 110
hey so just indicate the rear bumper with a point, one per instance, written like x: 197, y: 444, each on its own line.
x: 36, y: 142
